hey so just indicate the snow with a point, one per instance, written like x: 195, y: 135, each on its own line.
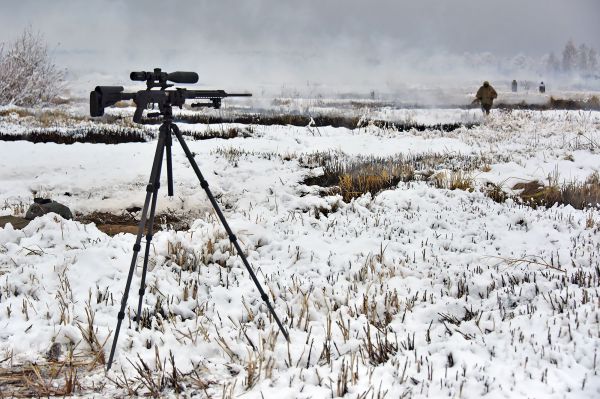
x: 439, y: 276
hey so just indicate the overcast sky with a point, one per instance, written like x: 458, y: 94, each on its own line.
x: 285, y: 41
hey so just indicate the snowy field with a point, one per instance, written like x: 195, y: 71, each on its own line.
x: 414, y: 292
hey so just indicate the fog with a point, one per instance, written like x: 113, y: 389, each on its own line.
x: 340, y: 45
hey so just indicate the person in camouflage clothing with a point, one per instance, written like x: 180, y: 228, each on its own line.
x: 486, y: 95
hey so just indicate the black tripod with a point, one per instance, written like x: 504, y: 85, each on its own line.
x: 164, y: 142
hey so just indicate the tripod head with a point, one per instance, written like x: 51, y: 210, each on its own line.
x: 106, y: 96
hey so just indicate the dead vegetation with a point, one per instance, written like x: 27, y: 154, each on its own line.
x: 221, y: 132
x: 590, y: 104
x: 53, y: 117
x: 354, y: 177
x: 367, y: 326
x: 580, y: 195
x: 93, y: 135
x: 357, y: 176
x: 301, y: 120
x: 49, y: 378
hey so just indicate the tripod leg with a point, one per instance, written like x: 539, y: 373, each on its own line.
x: 155, y: 187
x: 169, y: 163
x: 232, y: 238
x: 136, y: 247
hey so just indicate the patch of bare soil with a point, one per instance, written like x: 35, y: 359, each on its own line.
x: 17, y: 222
x: 113, y: 224
x: 110, y: 223
x: 530, y: 189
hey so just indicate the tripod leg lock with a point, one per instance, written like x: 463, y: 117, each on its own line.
x: 121, y: 315
x: 204, y: 184
x: 137, y: 247
x: 152, y: 187
x: 232, y: 238
x: 142, y: 290
x: 149, y: 237
x: 265, y: 297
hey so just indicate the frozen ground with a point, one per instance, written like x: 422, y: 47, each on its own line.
x: 415, y: 292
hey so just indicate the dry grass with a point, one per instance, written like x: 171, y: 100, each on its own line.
x: 51, y: 378
x: 19, y: 112
x: 577, y: 194
x: 224, y: 132
x: 454, y: 180
x: 355, y: 177
x: 372, y: 179
x: 358, y: 176
x: 154, y: 381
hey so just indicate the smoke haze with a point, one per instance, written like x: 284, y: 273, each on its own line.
x: 342, y: 44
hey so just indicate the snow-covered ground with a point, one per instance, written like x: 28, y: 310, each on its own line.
x: 415, y: 292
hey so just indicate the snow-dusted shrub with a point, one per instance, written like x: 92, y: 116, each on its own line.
x: 27, y: 74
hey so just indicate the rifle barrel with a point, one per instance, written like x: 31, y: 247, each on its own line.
x: 214, y: 94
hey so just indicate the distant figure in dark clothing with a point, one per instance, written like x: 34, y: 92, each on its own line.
x: 486, y: 95
x: 514, y: 86
x: 542, y: 87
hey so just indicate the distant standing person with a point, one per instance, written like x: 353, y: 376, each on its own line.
x: 542, y: 87
x: 514, y: 86
x: 486, y: 95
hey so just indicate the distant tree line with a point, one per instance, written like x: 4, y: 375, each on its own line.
x: 575, y: 60
x: 582, y: 60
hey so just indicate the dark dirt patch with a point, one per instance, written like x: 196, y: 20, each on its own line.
x: 109, y: 223
x: 17, y: 222
x: 225, y: 133
x: 530, y: 189
x: 273, y: 119
x: 112, y: 224
x: 591, y: 104
x: 349, y: 122
x: 95, y: 135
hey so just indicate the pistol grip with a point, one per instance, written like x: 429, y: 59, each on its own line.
x: 137, y: 116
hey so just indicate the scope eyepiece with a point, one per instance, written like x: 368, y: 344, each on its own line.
x: 139, y: 76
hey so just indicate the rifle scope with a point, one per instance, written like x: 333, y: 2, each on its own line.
x: 158, y: 76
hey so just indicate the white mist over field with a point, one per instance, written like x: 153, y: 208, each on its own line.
x: 311, y: 48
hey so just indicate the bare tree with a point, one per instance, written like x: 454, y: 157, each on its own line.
x: 27, y: 74
x: 582, y: 58
x: 552, y: 63
x: 592, y: 60
x: 569, y: 60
